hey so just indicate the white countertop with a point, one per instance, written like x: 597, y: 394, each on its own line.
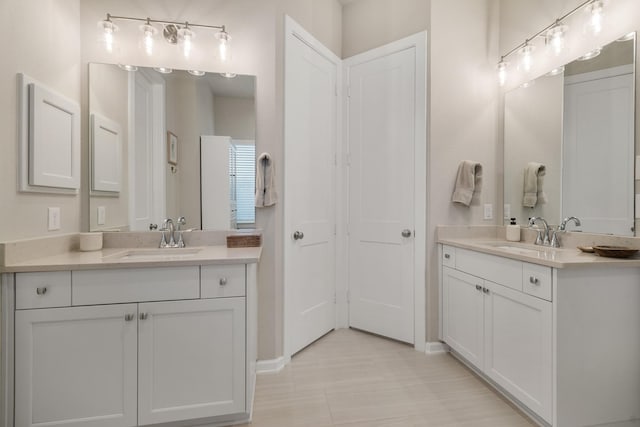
x: 138, y: 258
x: 543, y: 255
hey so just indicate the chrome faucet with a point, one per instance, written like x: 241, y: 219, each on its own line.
x: 167, y: 225
x: 543, y: 235
x: 555, y: 239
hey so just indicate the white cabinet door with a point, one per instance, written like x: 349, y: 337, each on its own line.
x: 462, y: 314
x: 76, y: 366
x: 518, y: 346
x: 191, y: 359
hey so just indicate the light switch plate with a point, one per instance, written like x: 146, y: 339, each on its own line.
x: 102, y: 215
x: 488, y: 211
x: 54, y: 219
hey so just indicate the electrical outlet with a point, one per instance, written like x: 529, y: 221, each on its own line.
x: 507, y: 211
x: 102, y: 215
x: 488, y: 211
x: 54, y: 219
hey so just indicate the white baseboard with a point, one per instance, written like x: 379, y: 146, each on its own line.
x: 271, y: 366
x: 436, y: 347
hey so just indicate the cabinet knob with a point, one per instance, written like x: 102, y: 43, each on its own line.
x: 485, y: 290
x: 143, y: 316
x: 478, y: 288
x: 223, y: 281
x: 534, y: 280
x: 298, y: 235
x: 447, y: 256
x: 129, y: 317
x: 41, y: 291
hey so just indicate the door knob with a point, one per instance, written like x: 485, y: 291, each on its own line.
x: 153, y: 227
x: 298, y: 235
x: 406, y: 233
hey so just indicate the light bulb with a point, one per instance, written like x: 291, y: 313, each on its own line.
x: 526, y: 58
x: 555, y: 37
x: 502, y: 72
x: 223, y: 48
x: 185, y: 35
x: 595, y: 9
x: 148, y: 32
x: 108, y: 28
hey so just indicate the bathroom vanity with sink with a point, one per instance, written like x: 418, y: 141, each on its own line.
x: 130, y: 336
x: 555, y: 330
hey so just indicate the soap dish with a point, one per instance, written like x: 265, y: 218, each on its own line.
x: 615, y: 251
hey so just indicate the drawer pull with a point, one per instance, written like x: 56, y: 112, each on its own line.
x: 143, y: 316
x: 41, y: 291
x: 129, y: 317
x: 223, y: 281
x: 447, y: 256
x: 534, y: 280
x: 478, y: 288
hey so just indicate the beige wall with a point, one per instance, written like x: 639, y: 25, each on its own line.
x: 42, y: 40
x: 111, y: 101
x: 371, y: 23
x: 235, y: 117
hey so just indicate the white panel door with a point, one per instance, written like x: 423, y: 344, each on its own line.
x: 76, y: 366
x: 518, y: 346
x: 310, y: 140
x: 381, y: 139
x: 463, y: 314
x: 191, y: 359
x: 215, y: 180
x: 106, y: 154
x: 146, y: 153
x: 598, y: 154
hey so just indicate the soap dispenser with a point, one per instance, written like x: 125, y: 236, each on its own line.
x: 513, y: 231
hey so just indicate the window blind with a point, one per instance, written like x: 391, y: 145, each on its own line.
x: 245, y: 168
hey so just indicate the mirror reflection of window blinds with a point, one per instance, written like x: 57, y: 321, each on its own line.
x: 245, y: 182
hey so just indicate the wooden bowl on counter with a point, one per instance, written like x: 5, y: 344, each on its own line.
x: 615, y: 251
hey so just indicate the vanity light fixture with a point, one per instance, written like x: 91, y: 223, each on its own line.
x: 173, y: 32
x: 196, y: 73
x: 554, y: 35
x: 590, y: 55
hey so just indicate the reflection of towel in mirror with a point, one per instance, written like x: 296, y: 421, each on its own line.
x: 533, y: 185
x: 468, y: 181
x: 265, y: 181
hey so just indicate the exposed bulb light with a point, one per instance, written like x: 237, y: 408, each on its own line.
x: 555, y: 37
x: 148, y: 32
x: 196, y: 73
x: 502, y: 71
x: 590, y: 55
x: 526, y: 58
x: 228, y: 75
x: 126, y: 67
x: 595, y: 10
x: 185, y: 37
x: 223, y: 48
x: 108, y: 28
x: 163, y: 70
x: 556, y: 71
x: 627, y: 37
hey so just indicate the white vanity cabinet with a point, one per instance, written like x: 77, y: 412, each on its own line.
x: 502, y: 331
x: 134, y: 347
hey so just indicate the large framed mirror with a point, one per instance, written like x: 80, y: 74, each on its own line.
x: 170, y: 143
x: 569, y: 143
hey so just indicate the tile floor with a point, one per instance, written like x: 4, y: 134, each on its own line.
x: 350, y: 378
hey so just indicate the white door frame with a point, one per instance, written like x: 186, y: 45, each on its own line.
x: 419, y: 42
x: 293, y: 30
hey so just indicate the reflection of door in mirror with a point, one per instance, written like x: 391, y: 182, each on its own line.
x: 146, y: 151
x: 598, y: 147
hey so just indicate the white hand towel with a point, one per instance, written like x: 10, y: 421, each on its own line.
x: 265, y: 181
x: 468, y: 181
x: 533, y: 185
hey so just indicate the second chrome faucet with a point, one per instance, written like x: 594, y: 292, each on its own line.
x: 168, y: 226
x: 548, y: 236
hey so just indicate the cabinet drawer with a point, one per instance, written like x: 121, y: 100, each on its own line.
x: 449, y: 256
x: 135, y: 285
x: 222, y: 281
x: 43, y: 290
x: 504, y: 271
x: 536, y: 280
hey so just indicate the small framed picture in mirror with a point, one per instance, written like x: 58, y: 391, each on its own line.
x: 172, y: 149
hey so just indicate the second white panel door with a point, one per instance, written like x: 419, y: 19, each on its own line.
x: 381, y: 138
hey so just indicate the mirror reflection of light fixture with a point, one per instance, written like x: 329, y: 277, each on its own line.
x: 172, y: 32
x: 590, y: 55
x: 196, y: 73
x: 556, y: 71
x: 555, y: 37
x: 228, y: 75
x: 627, y: 37
x: 127, y: 67
x: 163, y: 70
x: 502, y: 72
x: 528, y: 84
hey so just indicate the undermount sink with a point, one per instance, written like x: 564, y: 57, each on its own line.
x: 159, y: 254
x: 520, y: 248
